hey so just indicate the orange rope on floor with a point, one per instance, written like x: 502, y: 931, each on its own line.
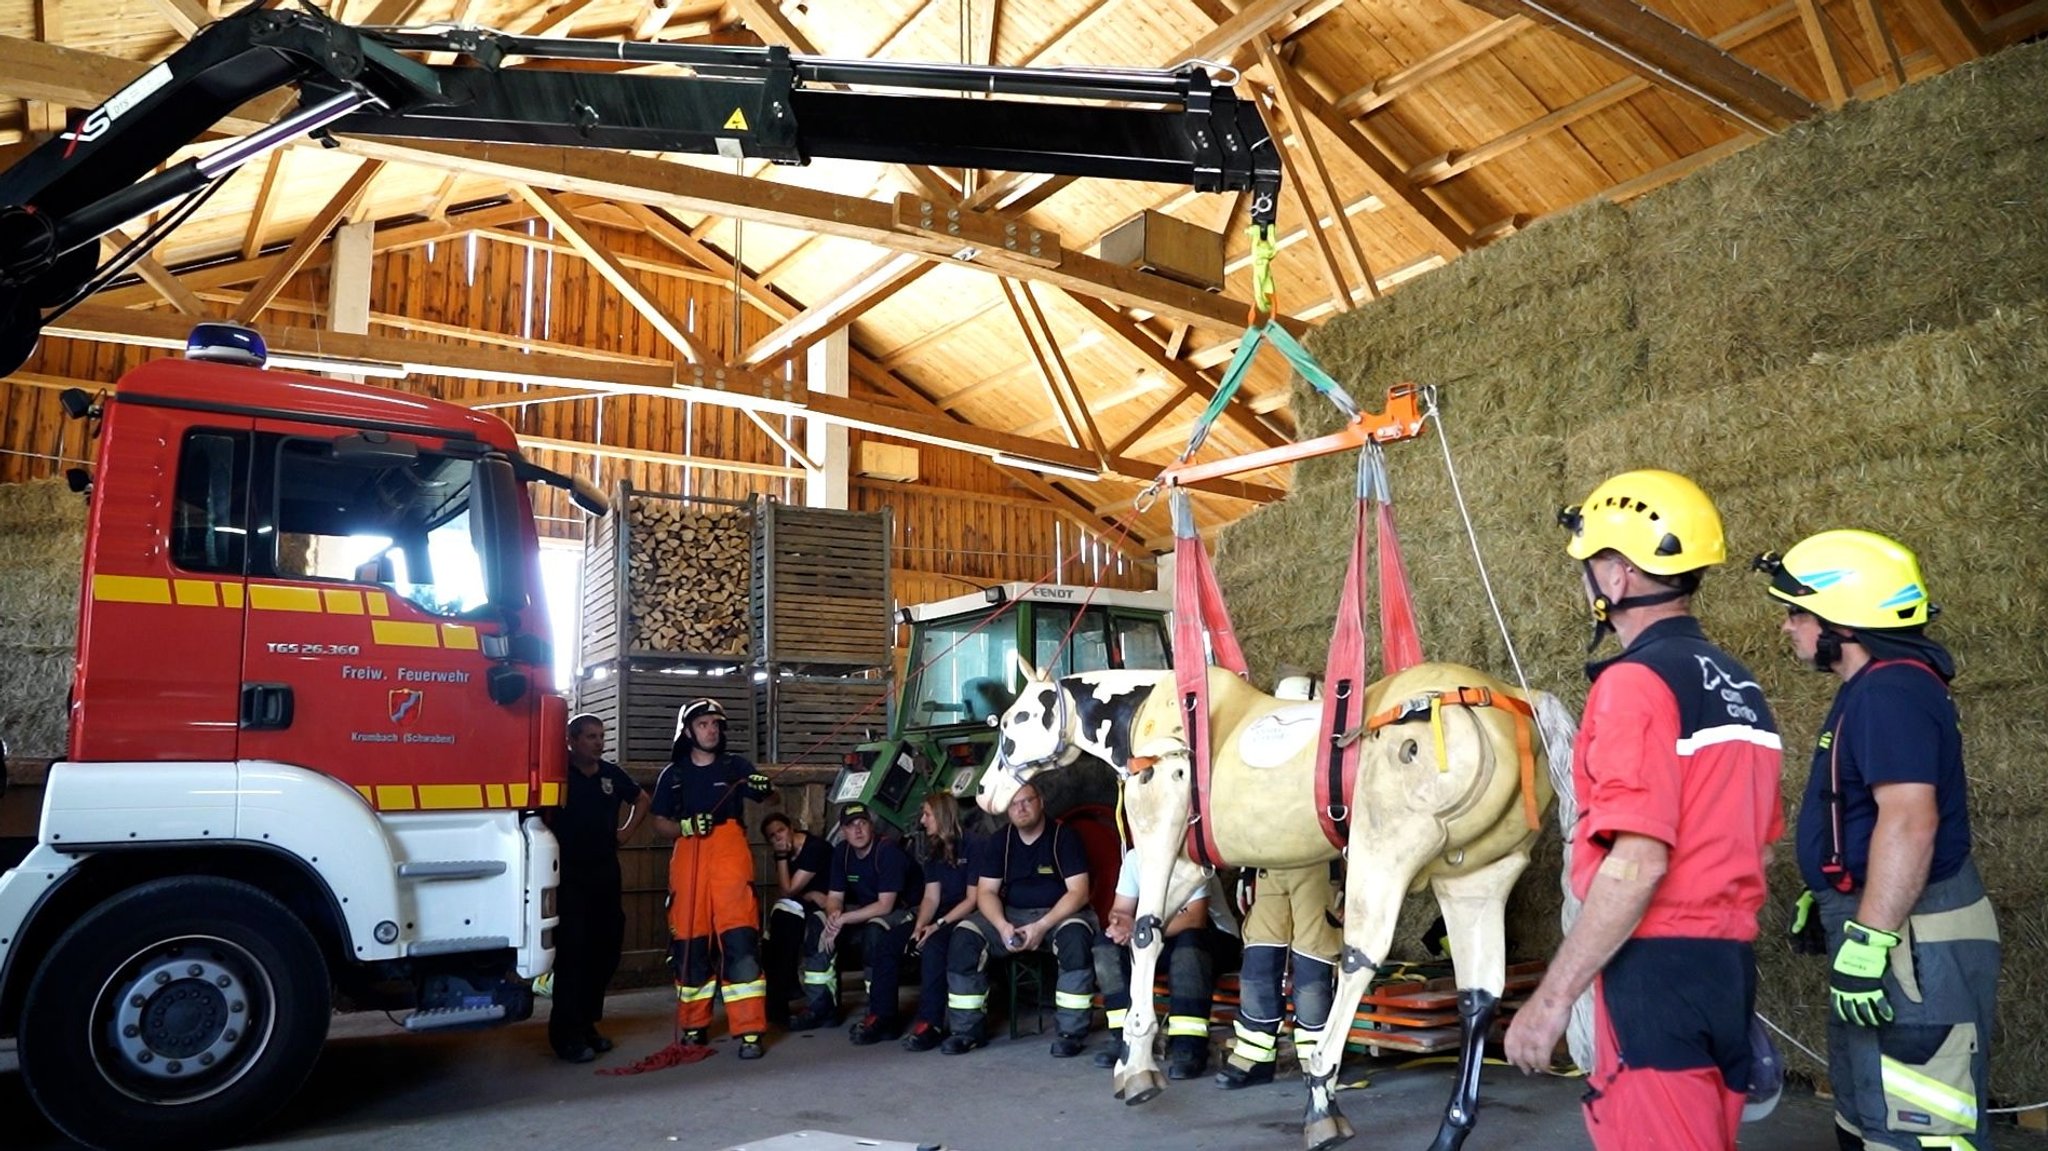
x: 674, y: 1055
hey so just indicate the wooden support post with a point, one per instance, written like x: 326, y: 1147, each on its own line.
x: 828, y: 467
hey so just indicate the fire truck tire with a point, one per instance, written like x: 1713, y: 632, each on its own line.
x: 179, y: 1014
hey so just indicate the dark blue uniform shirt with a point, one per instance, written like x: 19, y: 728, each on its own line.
x: 719, y: 789
x: 1893, y: 722
x: 864, y: 879
x: 587, y: 824
x: 1033, y: 874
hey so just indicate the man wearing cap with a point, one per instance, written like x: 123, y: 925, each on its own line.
x: 1676, y: 771
x: 699, y: 800
x: 867, y: 914
x: 1884, y: 847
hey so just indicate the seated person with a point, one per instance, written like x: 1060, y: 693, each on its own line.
x: 867, y: 914
x: 948, y: 899
x: 1190, y: 977
x: 803, y: 863
x: 1031, y: 894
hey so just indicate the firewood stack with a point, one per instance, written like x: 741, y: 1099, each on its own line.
x: 688, y: 568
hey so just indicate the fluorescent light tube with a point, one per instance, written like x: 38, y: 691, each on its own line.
x: 1046, y: 466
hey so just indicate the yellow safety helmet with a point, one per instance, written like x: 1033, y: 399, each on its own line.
x: 1851, y: 578
x: 1660, y: 520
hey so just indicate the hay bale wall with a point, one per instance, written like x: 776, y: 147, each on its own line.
x: 43, y: 524
x: 1847, y: 326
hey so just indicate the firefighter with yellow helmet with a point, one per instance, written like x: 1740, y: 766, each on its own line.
x: 1676, y: 773
x: 1884, y: 847
x: 714, y: 921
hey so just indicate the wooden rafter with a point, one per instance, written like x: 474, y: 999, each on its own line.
x: 1294, y: 189
x: 615, y: 273
x: 678, y: 239
x: 310, y: 237
x: 1285, y: 88
x: 654, y: 16
x: 2022, y: 23
x: 1445, y: 60
x: 266, y: 203
x: 870, y: 287
x: 1052, y: 363
x: 187, y: 16
x: 1440, y: 168
x: 1891, y: 71
x: 1826, y: 53
x: 1669, y: 56
x: 550, y: 20
x: 154, y: 274
x: 1180, y: 370
x: 648, y: 455
x: 1157, y: 416
x: 1952, y: 31
x: 1387, y: 178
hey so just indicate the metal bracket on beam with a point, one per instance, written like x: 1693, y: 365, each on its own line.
x: 976, y: 232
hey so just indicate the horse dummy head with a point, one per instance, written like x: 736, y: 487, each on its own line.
x: 1030, y: 737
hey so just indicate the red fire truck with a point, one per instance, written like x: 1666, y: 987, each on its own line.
x: 310, y: 730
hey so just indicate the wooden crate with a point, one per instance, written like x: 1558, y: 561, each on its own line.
x: 618, y: 594
x: 1160, y: 244
x: 820, y: 588
x: 638, y: 700
x: 818, y: 719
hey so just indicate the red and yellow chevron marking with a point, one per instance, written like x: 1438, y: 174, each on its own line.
x: 458, y: 796
x: 374, y: 606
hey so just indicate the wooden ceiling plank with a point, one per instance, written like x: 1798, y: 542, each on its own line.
x: 1820, y: 38
x: 266, y: 203
x: 186, y: 16
x: 309, y: 238
x: 2022, y: 23
x: 1294, y: 190
x: 547, y: 20
x: 512, y: 235
x: 682, y: 188
x: 389, y: 12
x: 1180, y: 370
x: 1441, y: 62
x: 154, y: 274
x: 675, y: 236
x: 1285, y: 86
x: 1891, y: 70
x: 1442, y: 168
x: 654, y: 16
x: 1104, y: 402
x: 1668, y: 55
x: 1303, y: 19
x: 615, y: 273
x: 42, y: 116
x: 873, y: 285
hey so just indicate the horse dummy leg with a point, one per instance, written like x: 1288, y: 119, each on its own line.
x: 1138, y: 1078
x: 1474, y: 906
x: 1157, y: 809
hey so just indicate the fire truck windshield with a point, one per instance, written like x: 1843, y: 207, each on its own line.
x: 405, y: 524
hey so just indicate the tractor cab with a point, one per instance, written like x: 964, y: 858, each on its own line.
x: 963, y: 670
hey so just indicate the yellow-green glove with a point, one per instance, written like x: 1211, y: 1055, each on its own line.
x: 693, y: 825
x: 1857, y: 981
x: 758, y: 786
x: 1805, y: 932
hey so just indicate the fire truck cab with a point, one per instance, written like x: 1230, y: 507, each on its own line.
x: 311, y: 726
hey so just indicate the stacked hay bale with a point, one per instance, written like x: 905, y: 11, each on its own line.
x: 1847, y: 326
x: 44, y: 526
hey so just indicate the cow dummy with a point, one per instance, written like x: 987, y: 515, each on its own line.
x: 1449, y: 788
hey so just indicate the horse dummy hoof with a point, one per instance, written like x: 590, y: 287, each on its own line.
x: 1143, y: 1087
x: 1324, y: 1133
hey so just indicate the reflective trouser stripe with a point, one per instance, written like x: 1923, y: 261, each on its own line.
x: 958, y: 1002
x: 1073, y: 1000
x: 1186, y: 1025
x: 753, y: 989
x: 825, y: 978
x: 1253, y: 1045
x: 1116, y: 1019
x: 1959, y: 1142
x: 1959, y: 1108
x: 696, y: 994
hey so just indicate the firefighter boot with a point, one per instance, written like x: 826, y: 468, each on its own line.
x: 751, y: 1046
x: 1187, y: 1056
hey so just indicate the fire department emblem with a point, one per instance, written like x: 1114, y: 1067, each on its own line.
x: 405, y: 705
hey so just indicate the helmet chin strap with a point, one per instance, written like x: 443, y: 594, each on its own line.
x: 1827, y: 649
x: 1604, y: 608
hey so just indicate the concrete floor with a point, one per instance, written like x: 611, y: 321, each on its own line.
x: 499, y: 1090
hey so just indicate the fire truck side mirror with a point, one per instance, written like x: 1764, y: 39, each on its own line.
x: 495, y: 512
x: 76, y: 403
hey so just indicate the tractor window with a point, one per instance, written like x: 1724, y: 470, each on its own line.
x: 209, y: 517
x: 1141, y: 642
x: 401, y: 523
x: 1060, y: 653
x: 965, y: 674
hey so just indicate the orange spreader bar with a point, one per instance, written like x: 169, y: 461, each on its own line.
x: 1401, y: 420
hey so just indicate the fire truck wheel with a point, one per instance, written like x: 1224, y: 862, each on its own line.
x: 178, y: 1014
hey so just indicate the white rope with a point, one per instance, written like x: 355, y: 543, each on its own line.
x: 1430, y: 413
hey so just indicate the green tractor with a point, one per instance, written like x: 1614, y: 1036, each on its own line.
x: 963, y: 672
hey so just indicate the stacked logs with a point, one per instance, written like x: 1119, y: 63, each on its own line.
x: 687, y: 569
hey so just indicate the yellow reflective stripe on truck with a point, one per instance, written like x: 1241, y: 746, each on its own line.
x: 280, y: 597
x: 457, y: 796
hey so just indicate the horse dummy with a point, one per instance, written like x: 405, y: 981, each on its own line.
x: 1449, y: 790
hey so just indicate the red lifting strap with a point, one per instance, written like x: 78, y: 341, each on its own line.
x: 1201, y: 633
x: 1400, y: 642
x: 1344, y: 683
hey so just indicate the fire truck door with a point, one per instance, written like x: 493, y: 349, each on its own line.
x: 367, y: 608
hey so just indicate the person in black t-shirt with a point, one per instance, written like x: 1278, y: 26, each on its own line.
x: 803, y: 865
x: 593, y: 926
x: 867, y: 914
x: 1031, y: 894
x: 949, y: 898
